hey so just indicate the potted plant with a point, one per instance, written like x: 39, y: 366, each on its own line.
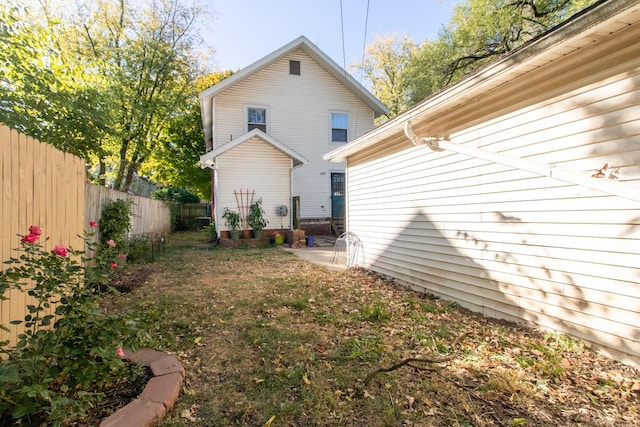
x: 232, y: 220
x: 278, y: 238
x: 256, y: 219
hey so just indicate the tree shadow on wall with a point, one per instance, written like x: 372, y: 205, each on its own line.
x: 464, y: 266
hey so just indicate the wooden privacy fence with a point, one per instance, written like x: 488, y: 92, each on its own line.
x: 43, y: 186
x: 150, y: 216
x: 187, y: 216
x: 40, y: 186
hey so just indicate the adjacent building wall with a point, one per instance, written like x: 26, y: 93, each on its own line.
x: 509, y: 243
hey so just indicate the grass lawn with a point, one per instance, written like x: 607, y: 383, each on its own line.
x: 268, y: 339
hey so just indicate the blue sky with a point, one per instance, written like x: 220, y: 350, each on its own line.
x: 243, y: 31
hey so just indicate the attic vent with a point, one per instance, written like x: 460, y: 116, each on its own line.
x: 294, y: 68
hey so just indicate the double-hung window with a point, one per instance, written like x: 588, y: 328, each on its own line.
x: 339, y: 127
x: 256, y: 118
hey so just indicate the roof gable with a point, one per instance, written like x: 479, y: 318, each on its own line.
x: 316, y: 54
x: 208, y: 159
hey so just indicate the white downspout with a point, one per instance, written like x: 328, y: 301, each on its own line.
x: 291, y: 168
x: 625, y: 190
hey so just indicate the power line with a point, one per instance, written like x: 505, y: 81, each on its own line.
x: 364, y: 39
x: 344, y: 54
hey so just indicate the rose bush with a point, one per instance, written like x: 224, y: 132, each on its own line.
x: 67, y: 351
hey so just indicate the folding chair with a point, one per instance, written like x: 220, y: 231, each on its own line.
x: 348, y: 245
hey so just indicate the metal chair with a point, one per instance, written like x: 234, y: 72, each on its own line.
x: 348, y: 245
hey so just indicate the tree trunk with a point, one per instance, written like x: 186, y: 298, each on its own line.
x: 134, y: 165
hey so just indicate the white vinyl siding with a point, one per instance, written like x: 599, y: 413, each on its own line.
x: 509, y: 243
x: 272, y: 183
x: 298, y: 117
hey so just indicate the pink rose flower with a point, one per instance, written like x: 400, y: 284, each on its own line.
x: 122, y: 256
x: 114, y: 265
x: 60, y: 250
x: 93, y: 224
x: 111, y: 243
x: 30, y: 238
x: 34, y: 229
x: 119, y: 352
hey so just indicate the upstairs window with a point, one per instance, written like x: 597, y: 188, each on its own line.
x: 294, y: 68
x: 257, y: 119
x: 339, y: 127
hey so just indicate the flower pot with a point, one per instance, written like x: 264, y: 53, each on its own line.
x: 279, y: 240
x: 234, y: 234
x: 257, y: 234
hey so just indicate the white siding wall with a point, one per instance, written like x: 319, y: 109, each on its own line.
x: 299, y: 108
x: 272, y: 183
x: 509, y: 243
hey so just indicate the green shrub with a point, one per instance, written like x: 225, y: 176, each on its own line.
x: 68, y: 350
x: 211, y: 230
x: 175, y: 194
x: 115, y: 221
x: 138, y: 249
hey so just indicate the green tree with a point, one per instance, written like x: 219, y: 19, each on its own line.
x: 45, y: 94
x: 211, y: 79
x: 385, y: 66
x: 401, y: 74
x: 152, y: 57
x: 480, y: 31
x: 107, y: 76
x: 176, y: 161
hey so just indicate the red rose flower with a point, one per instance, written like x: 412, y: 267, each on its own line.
x: 30, y: 238
x: 60, y: 250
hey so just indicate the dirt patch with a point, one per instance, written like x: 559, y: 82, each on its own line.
x: 128, y: 279
x: 269, y: 339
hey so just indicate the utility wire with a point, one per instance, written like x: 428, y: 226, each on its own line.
x: 344, y: 54
x: 364, y: 39
x: 364, y: 45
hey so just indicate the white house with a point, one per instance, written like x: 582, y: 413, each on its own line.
x: 516, y: 191
x: 267, y: 127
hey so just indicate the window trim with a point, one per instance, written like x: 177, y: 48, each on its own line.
x: 257, y: 107
x: 345, y: 113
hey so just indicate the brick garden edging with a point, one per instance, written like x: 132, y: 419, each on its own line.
x: 159, y: 395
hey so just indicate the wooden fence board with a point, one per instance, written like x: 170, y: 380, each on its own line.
x: 40, y: 185
x: 6, y: 206
x: 149, y: 216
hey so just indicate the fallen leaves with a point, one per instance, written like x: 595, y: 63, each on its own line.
x: 286, y: 337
